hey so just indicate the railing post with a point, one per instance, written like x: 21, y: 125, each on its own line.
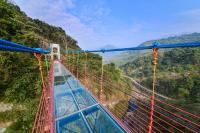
x: 42, y: 119
x: 85, y: 66
x: 155, y: 53
x: 69, y: 64
x: 73, y: 55
x: 51, y: 114
x: 101, y: 89
x: 39, y: 57
x: 68, y: 61
x: 77, y: 64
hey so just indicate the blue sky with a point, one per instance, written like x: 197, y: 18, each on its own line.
x: 122, y: 23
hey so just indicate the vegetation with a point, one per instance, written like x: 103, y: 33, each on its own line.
x: 177, y: 74
x: 177, y: 77
x: 129, y: 56
x: 19, y: 75
x: 177, y: 70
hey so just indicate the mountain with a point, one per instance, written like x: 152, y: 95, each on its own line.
x: 177, y: 73
x: 193, y: 37
x: 108, y: 55
x: 18, y: 27
x: 126, y: 57
x: 20, y: 83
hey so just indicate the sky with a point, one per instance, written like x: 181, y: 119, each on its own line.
x: 120, y: 23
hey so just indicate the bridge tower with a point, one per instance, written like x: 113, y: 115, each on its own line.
x: 55, y: 51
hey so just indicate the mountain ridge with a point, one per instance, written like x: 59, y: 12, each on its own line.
x: 129, y: 56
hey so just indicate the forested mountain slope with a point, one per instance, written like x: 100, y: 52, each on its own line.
x: 129, y: 56
x: 19, y: 76
x: 193, y: 37
x: 178, y: 73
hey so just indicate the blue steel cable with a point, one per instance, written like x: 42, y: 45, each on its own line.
x: 154, y: 45
x: 11, y: 46
x: 8, y: 48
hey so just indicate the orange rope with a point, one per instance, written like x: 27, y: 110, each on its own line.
x: 38, y: 115
x: 39, y: 56
x: 35, y: 125
x: 73, y: 55
x: 155, y: 53
x: 101, y: 89
x: 77, y: 60
x: 85, y: 66
x: 69, y: 62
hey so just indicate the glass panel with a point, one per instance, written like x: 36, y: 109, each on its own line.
x: 72, y: 124
x: 70, y: 96
x: 59, y: 80
x: 67, y: 76
x: 60, y: 89
x: 100, y: 122
x: 65, y: 105
x: 83, y: 98
x: 73, y: 83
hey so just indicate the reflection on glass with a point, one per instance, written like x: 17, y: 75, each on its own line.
x: 74, y: 84
x: 83, y: 98
x: 72, y: 100
x: 65, y: 105
x: 100, y: 122
x: 72, y: 124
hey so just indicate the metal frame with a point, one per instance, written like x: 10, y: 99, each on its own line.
x: 80, y: 111
x: 11, y: 46
x: 154, y: 45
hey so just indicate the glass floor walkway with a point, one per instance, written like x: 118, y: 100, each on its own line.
x: 76, y: 110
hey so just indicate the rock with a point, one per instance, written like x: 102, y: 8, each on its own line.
x: 5, y: 106
x: 2, y: 130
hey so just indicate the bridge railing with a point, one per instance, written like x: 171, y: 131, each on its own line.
x: 45, y: 116
x: 136, y: 110
x: 131, y: 105
x: 44, y: 120
x: 132, y: 108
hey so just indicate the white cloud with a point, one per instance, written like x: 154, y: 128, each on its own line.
x: 193, y: 13
x: 187, y: 22
x: 85, y: 23
x: 87, y: 26
x: 56, y: 13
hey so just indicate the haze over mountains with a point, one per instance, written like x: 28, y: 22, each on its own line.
x: 128, y: 56
x: 108, y: 55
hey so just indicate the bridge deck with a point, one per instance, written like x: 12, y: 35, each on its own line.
x: 76, y: 110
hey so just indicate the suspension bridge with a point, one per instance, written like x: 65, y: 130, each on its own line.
x: 71, y: 102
